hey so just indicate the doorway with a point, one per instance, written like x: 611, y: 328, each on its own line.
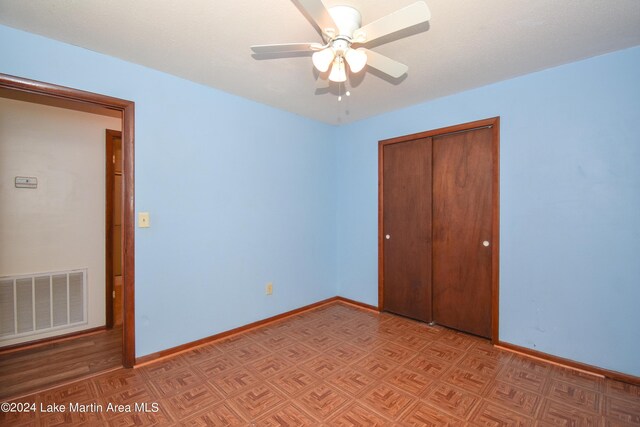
x: 60, y: 96
x: 438, y: 226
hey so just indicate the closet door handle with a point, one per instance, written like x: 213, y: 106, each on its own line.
x: 388, y: 236
x: 485, y: 243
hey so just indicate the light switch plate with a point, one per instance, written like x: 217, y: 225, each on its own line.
x: 143, y: 220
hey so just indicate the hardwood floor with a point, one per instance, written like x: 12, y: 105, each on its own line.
x: 340, y: 365
x: 36, y: 368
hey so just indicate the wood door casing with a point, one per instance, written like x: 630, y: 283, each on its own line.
x: 113, y: 229
x: 407, y: 222
x: 64, y: 96
x: 462, y: 221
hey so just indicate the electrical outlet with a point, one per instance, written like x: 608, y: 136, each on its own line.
x: 268, y: 289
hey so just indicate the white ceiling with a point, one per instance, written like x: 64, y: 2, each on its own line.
x: 465, y: 45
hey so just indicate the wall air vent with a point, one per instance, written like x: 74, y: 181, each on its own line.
x: 43, y: 302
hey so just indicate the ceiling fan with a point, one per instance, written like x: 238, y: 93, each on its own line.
x: 342, y: 34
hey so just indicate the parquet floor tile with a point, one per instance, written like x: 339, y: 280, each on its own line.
x: 215, y: 365
x: 365, y: 341
x: 622, y: 410
x: 169, y: 365
x: 175, y: 382
x: 258, y: 400
x: 532, y: 365
x: 204, y: 352
x: 556, y: 413
x: 358, y: 415
x: 524, y: 378
x: 191, y: 400
x: 413, y: 340
x: 270, y: 365
x: 222, y: 414
x: 351, y: 380
x: 483, y: 365
x: 71, y: 419
x: 423, y: 414
x: 322, y: 342
x: 288, y: 415
x: 275, y: 342
x: 235, y: 381
x: 388, y: 400
x: 489, y: 414
x: 322, y: 365
x: 484, y: 348
x: 159, y: 418
x: 322, y: 400
x: 294, y: 380
x: 622, y: 390
x: 297, y: 352
x: 581, y: 379
x: 345, y: 352
x: 123, y: 379
x: 452, y: 400
x: 426, y: 365
x: 574, y: 395
x: 410, y: 381
x: 376, y: 365
x: 248, y: 353
x: 459, y: 340
x: 515, y: 398
x: 468, y: 380
x: 77, y: 393
x: 339, y: 365
x: 24, y: 417
x: 394, y: 352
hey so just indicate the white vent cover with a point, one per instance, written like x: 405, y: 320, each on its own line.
x: 37, y: 303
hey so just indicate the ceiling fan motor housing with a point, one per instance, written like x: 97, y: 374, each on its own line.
x: 347, y: 19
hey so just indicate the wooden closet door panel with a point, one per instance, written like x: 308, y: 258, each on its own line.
x: 407, y: 223
x: 462, y: 222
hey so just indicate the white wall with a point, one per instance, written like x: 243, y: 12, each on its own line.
x: 59, y: 225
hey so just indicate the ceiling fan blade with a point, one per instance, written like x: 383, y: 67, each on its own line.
x: 318, y: 13
x: 385, y: 64
x: 289, y: 47
x: 409, y: 16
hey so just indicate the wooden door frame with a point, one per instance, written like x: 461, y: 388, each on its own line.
x: 494, y: 123
x: 65, y: 95
x: 109, y: 216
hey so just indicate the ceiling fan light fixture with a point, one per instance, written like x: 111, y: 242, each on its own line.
x: 322, y: 59
x: 356, y: 58
x: 341, y: 27
x: 338, y: 73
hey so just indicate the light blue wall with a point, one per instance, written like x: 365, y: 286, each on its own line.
x: 240, y: 194
x: 569, y: 204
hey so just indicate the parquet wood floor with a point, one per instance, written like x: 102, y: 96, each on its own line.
x: 342, y: 366
x: 36, y: 368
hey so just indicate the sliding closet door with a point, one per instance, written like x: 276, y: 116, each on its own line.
x: 462, y: 230
x: 407, y: 228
